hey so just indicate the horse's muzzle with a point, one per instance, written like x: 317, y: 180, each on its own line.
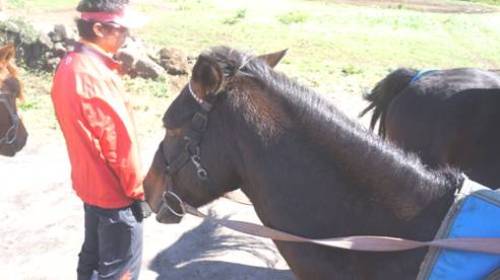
x: 165, y: 216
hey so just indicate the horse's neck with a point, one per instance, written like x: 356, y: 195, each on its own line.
x: 326, y: 153
x: 398, y: 180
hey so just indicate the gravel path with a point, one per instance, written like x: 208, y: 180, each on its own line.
x: 42, y: 224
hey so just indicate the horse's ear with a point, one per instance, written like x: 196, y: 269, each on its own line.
x: 7, y: 53
x: 207, y: 77
x: 272, y: 59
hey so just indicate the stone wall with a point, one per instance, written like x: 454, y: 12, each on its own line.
x: 43, y: 50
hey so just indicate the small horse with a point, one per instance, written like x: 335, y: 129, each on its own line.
x: 447, y: 117
x: 307, y: 168
x: 13, y: 134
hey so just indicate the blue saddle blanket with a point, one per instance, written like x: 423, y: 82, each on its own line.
x: 475, y: 213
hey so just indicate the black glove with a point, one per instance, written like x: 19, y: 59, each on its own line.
x: 141, y: 210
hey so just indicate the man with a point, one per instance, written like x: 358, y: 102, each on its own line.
x: 97, y: 124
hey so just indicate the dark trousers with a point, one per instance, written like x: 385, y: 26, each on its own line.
x: 112, y: 245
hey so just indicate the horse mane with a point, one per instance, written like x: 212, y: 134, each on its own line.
x: 12, y: 84
x: 398, y: 180
x: 19, y: 86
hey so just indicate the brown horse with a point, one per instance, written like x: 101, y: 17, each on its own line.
x: 13, y: 134
x: 447, y: 117
x: 307, y: 168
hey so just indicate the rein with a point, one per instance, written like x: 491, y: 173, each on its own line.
x: 11, y: 134
x: 368, y: 243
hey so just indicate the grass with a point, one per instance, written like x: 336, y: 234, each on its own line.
x: 333, y: 48
x: 490, y: 2
x: 239, y: 16
x: 293, y: 17
x: 40, y: 4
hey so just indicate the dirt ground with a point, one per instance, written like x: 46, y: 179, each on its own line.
x: 42, y: 224
x: 42, y: 228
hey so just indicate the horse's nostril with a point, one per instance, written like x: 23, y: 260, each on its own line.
x: 165, y: 216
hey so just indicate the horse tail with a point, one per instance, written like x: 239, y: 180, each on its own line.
x: 383, y: 93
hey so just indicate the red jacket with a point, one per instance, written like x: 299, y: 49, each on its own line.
x: 98, y: 127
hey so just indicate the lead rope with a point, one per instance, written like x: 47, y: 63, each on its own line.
x: 367, y: 243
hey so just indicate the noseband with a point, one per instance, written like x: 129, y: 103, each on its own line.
x: 190, y: 153
x: 11, y: 134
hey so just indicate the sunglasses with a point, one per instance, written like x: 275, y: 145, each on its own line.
x: 116, y: 26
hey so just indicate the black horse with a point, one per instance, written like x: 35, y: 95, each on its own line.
x: 307, y: 168
x: 447, y: 117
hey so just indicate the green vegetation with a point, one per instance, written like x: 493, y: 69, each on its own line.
x: 293, y: 17
x: 40, y: 4
x: 240, y: 15
x: 490, y: 2
x: 335, y: 48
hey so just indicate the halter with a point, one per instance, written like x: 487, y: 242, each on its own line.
x: 11, y: 135
x: 191, y: 153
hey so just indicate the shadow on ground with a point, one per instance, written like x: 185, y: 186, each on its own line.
x: 187, y: 261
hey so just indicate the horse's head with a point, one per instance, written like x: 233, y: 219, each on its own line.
x: 194, y: 163
x: 13, y: 134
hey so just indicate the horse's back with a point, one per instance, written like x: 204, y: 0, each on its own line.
x: 474, y: 116
x: 442, y: 84
x: 449, y: 118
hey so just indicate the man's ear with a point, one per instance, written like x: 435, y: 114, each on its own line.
x: 7, y: 53
x: 207, y: 77
x: 272, y: 59
x: 98, y: 29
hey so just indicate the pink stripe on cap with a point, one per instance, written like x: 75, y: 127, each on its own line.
x: 102, y: 16
x: 126, y: 17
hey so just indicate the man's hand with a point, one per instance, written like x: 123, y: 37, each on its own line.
x: 141, y: 210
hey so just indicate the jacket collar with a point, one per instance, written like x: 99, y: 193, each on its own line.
x: 105, y: 57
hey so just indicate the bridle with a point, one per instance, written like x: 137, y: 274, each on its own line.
x: 192, y: 151
x: 11, y: 134
x: 190, y: 154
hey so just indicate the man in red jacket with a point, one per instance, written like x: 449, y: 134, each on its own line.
x: 96, y: 120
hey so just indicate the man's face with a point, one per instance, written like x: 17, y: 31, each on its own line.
x: 110, y: 36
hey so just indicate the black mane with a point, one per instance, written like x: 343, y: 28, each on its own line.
x: 400, y: 181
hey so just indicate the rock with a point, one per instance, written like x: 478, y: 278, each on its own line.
x: 174, y: 61
x: 52, y: 63
x: 137, y: 63
x: 191, y: 60
x: 59, y: 50
x: 70, y: 44
x: 42, y: 50
x: 59, y: 34
x: 36, y: 54
x: 44, y: 41
x: 148, y: 69
x: 128, y: 62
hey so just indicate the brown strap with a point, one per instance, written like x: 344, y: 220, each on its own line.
x: 359, y: 243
